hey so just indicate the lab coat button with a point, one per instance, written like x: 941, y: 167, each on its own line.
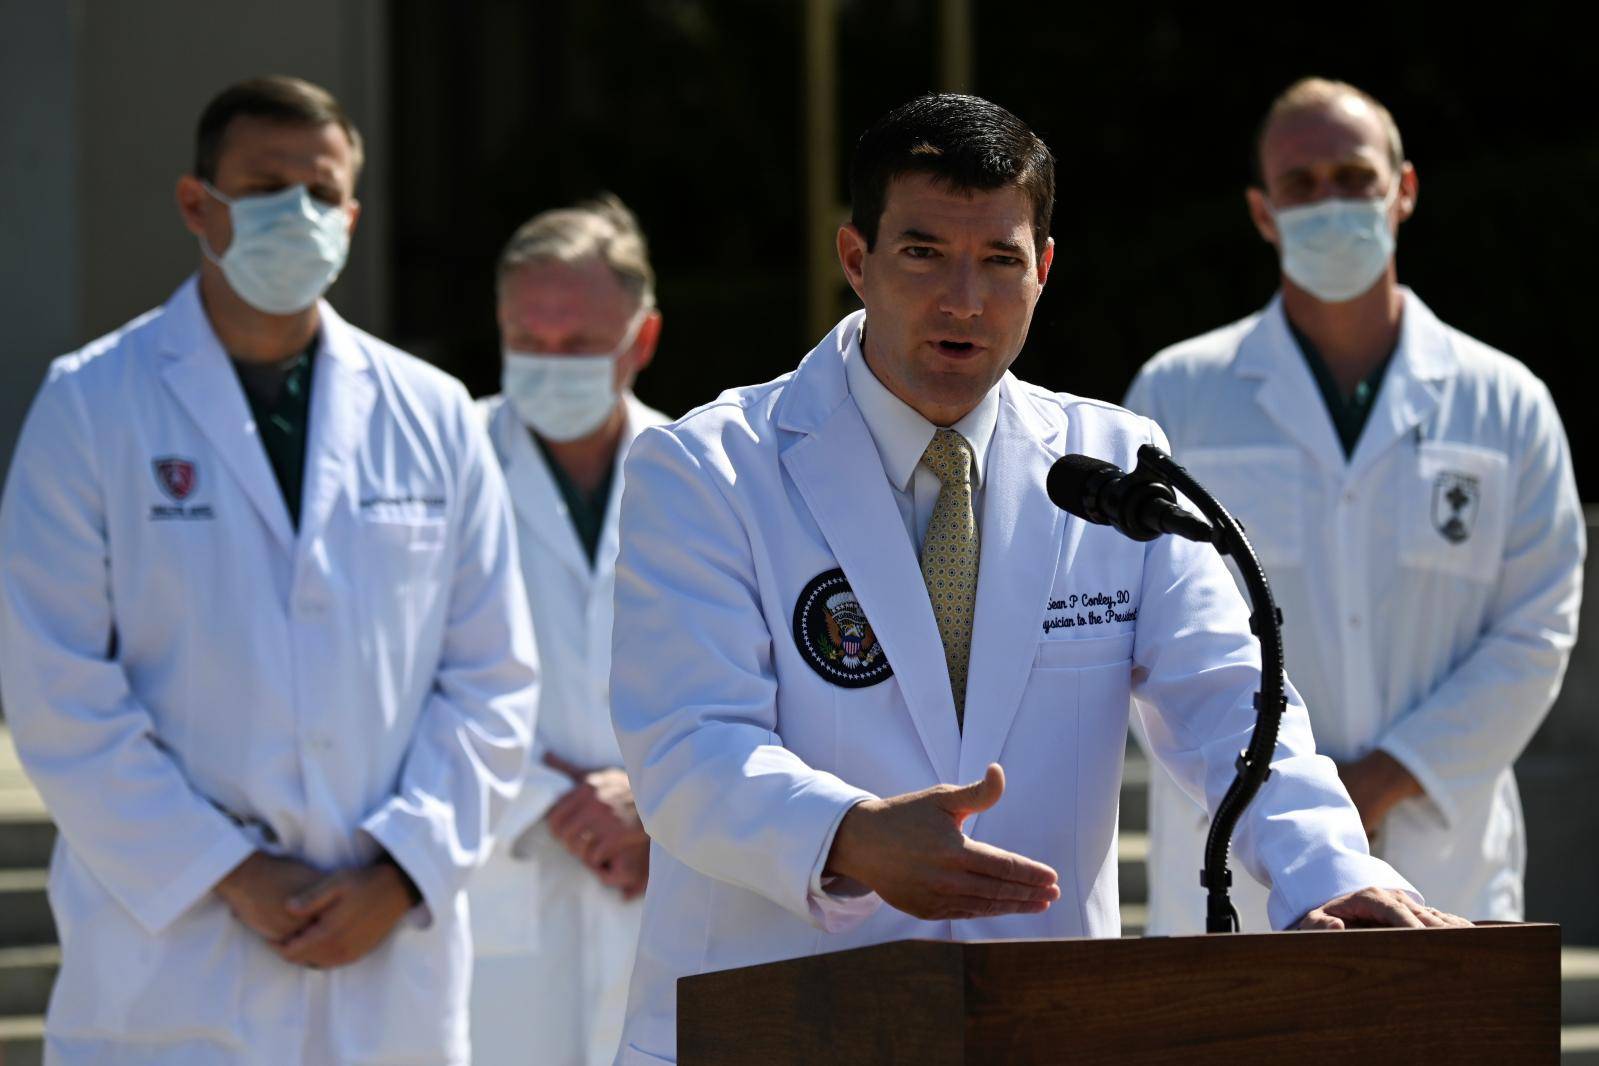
x: 1354, y: 621
x: 1349, y: 497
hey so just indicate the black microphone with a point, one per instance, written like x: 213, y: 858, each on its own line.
x: 1140, y: 507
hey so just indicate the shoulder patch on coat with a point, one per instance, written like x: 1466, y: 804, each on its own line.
x: 833, y: 635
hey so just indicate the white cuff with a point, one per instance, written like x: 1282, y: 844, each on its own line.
x: 194, y: 882
x: 1332, y: 873
x: 418, y: 864
x: 838, y: 904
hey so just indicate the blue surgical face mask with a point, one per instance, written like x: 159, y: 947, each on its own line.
x: 287, y: 248
x: 1336, y: 249
x: 565, y: 397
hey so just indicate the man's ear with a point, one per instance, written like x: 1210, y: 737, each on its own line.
x: 1045, y: 261
x: 191, y: 198
x: 1260, y: 214
x: 649, y: 335
x: 1409, y: 191
x: 852, y: 253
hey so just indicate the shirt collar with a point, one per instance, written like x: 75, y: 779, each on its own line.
x: 900, y: 433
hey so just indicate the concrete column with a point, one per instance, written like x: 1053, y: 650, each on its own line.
x: 40, y: 277
x: 105, y: 98
x: 822, y: 209
x: 955, y: 46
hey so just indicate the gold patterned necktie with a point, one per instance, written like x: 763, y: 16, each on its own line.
x: 949, y: 557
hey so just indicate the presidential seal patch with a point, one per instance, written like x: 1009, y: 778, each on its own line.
x: 833, y: 635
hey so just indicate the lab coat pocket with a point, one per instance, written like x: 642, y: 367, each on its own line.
x: 1454, y: 508
x: 1077, y: 653
x: 1263, y: 487
x: 406, y: 534
x: 403, y: 550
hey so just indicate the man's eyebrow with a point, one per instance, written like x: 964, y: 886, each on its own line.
x: 1007, y: 245
x: 1339, y: 163
x: 919, y: 237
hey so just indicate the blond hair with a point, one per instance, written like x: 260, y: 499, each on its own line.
x: 601, y: 228
x: 1315, y: 94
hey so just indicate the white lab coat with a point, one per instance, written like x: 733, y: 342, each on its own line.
x: 1444, y: 653
x: 189, y: 679
x: 744, y: 759
x: 554, y: 945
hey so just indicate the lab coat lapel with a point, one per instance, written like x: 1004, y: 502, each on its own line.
x: 204, y: 382
x: 536, y: 497
x: 1020, y: 549
x: 1288, y: 395
x: 342, y: 396
x: 1409, y: 393
x: 862, y: 525
x: 638, y: 417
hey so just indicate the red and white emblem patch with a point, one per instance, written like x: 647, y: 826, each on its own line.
x: 178, y: 478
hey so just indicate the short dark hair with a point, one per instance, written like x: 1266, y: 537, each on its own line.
x: 964, y: 142
x: 277, y: 98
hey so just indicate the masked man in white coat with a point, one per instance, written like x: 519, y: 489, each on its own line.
x: 844, y: 591
x: 1410, y: 493
x: 263, y: 643
x: 556, y: 910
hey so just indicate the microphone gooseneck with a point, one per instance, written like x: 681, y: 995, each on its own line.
x: 1143, y: 505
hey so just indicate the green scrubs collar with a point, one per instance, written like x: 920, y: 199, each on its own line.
x: 1349, y: 414
x: 587, y: 510
x: 279, y: 395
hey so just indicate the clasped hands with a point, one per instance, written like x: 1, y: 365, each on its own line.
x: 314, y: 918
x: 910, y: 850
x: 598, y: 823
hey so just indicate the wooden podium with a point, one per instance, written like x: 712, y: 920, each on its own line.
x: 1485, y: 995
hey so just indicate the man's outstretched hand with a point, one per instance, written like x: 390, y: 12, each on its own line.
x: 1377, y: 908
x: 910, y: 850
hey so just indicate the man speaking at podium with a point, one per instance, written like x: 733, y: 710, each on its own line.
x: 844, y: 590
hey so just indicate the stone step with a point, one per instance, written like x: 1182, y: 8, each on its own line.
x: 26, y: 840
x: 1132, y: 849
x: 25, y: 918
x: 1135, y: 792
x: 1579, y: 986
x: 22, y: 1041
x: 1579, y: 1045
x: 26, y: 975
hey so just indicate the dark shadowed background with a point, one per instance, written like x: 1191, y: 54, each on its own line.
x: 694, y: 113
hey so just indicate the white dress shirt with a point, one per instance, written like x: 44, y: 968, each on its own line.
x: 902, y: 435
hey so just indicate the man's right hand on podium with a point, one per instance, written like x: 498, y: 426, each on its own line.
x: 910, y: 850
